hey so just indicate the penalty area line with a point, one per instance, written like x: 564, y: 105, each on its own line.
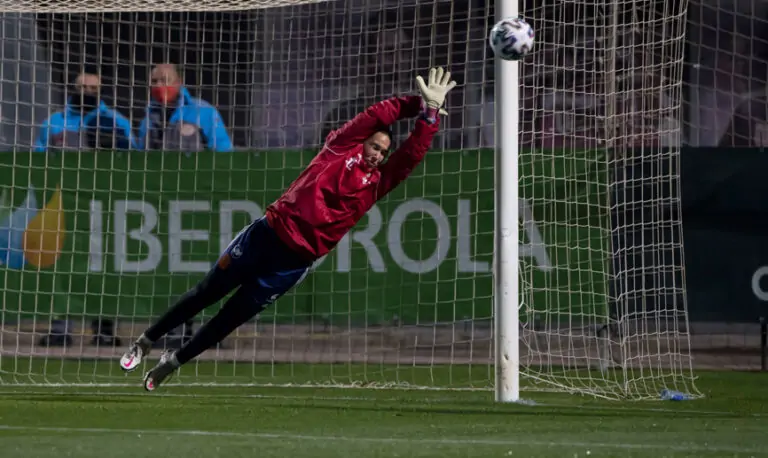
x: 384, y: 440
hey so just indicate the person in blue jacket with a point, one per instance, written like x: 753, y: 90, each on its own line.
x: 176, y: 121
x: 86, y: 122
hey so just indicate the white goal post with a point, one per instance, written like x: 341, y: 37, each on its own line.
x: 507, y: 233
x: 546, y: 257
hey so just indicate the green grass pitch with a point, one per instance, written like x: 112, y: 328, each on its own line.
x: 198, y: 421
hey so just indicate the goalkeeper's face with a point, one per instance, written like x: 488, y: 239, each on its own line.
x: 375, y: 149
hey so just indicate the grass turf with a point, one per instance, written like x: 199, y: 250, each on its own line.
x: 181, y: 421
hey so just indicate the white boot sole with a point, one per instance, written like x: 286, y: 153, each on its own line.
x: 130, y: 363
x: 149, y: 383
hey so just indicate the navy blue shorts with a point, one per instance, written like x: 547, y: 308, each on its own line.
x: 263, y: 266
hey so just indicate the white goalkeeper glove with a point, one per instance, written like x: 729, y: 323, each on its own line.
x: 434, y: 92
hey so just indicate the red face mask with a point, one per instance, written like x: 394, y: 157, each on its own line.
x: 165, y: 94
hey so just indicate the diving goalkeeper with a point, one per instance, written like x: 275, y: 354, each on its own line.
x: 274, y: 253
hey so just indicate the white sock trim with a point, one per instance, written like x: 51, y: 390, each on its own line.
x: 173, y: 361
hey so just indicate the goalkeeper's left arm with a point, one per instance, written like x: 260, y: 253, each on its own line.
x: 375, y: 117
x: 402, y: 162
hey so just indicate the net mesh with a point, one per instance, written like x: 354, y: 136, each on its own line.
x: 96, y: 240
x: 600, y: 181
x: 727, y: 78
x: 95, y: 7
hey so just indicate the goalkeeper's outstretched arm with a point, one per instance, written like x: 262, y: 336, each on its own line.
x: 374, y: 118
x: 402, y: 162
x: 412, y: 152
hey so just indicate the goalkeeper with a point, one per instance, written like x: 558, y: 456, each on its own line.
x: 274, y: 253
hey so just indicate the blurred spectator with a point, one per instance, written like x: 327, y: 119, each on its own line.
x: 386, y: 68
x: 728, y: 73
x: 176, y: 121
x: 85, y: 122
x: 749, y: 125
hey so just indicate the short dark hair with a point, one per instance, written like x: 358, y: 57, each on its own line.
x: 386, y: 131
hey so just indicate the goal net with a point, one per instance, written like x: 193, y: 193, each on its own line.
x: 101, y: 229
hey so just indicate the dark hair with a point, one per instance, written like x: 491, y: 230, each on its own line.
x: 386, y: 131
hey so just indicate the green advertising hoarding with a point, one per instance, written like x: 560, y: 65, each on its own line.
x: 122, y: 234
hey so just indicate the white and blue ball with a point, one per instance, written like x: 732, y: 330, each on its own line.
x: 511, y: 39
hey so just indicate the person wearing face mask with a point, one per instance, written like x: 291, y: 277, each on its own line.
x: 176, y: 121
x: 86, y: 122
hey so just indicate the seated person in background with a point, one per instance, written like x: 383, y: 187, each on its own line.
x: 86, y: 122
x: 176, y: 121
x: 749, y: 123
x: 384, y: 71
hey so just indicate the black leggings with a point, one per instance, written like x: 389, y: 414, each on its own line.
x: 210, y: 290
x: 237, y: 310
x: 257, y: 265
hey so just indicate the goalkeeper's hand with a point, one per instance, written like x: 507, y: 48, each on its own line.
x: 433, y: 93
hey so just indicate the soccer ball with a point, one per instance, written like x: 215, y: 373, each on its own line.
x: 511, y: 39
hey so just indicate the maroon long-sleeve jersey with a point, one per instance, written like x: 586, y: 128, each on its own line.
x: 337, y: 188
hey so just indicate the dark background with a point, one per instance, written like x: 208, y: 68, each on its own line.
x: 216, y: 54
x: 232, y: 59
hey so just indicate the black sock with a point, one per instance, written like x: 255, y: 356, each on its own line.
x: 238, y: 309
x: 210, y: 290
